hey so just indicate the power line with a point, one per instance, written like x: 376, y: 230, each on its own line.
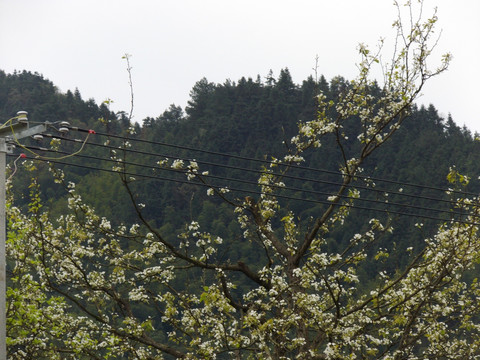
x: 324, y: 202
x: 278, y: 187
x: 287, y: 176
x: 233, y: 156
x: 270, y: 162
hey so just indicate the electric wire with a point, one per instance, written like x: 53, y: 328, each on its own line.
x: 291, y: 189
x: 256, y: 192
x: 59, y: 158
x: 8, y: 122
x: 17, y: 142
x: 233, y: 156
x: 286, y: 176
x: 39, y: 157
x: 278, y: 187
x: 15, y: 168
x: 367, y: 178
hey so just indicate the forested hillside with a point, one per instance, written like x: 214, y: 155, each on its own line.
x: 234, y: 132
x: 249, y: 119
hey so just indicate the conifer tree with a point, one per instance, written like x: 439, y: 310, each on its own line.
x: 82, y: 287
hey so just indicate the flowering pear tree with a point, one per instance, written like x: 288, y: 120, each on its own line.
x: 83, y: 288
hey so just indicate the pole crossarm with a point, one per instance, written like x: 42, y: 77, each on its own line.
x: 13, y: 128
x: 30, y: 131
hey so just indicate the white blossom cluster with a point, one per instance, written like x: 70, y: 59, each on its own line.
x: 84, y: 286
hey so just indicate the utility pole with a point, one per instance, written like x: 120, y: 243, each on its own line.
x: 18, y: 130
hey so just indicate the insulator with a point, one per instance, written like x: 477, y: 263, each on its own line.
x: 22, y: 116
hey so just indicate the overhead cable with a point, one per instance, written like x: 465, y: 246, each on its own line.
x: 278, y: 187
x: 286, y: 176
x: 324, y: 202
x: 233, y: 156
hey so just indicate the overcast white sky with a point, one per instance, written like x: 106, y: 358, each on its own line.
x: 174, y: 43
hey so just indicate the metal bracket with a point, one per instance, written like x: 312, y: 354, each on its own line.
x: 19, y: 126
x: 21, y: 130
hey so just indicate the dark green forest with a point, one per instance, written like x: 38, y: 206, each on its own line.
x: 232, y: 130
